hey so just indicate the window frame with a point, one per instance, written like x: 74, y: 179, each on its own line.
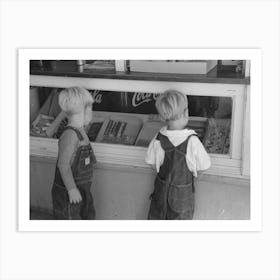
x: 224, y: 165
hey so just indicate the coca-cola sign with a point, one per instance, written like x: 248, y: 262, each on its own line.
x: 143, y: 97
x: 125, y: 102
x: 97, y: 96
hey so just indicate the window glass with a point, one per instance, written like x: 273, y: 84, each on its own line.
x: 131, y: 118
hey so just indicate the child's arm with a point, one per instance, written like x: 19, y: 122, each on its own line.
x: 154, y: 155
x: 197, y: 157
x: 67, y: 146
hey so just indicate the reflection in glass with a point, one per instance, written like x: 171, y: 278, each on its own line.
x: 217, y: 113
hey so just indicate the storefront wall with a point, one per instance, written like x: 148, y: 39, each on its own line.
x: 123, y: 192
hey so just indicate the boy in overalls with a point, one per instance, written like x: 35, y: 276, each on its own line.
x: 71, y: 193
x: 177, y: 154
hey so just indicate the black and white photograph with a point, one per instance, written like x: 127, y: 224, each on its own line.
x: 183, y: 138
x: 139, y: 140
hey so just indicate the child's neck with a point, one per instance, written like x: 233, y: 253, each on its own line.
x: 76, y: 120
x: 176, y: 125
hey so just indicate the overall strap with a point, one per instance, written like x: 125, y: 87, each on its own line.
x: 182, y: 149
x: 184, y: 145
x: 79, y: 134
x: 165, y: 142
x: 168, y: 146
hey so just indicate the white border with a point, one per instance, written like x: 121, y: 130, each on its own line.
x: 24, y: 224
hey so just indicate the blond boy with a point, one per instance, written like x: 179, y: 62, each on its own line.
x: 72, y: 198
x: 177, y: 154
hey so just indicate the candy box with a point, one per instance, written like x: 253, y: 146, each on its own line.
x: 217, y: 136
x: 41, y: 126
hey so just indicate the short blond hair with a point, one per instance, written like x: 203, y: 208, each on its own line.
x: 74, y: 99
x: 171, y: 105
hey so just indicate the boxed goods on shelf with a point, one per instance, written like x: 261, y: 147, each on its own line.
x: 199, y: 125
x: 173, y: 66
x: 154, y: 124
x: 58, y: 125
x: 41, y: 126
x: 61, y: 127
x: 94, y: 127
x: 120, y: 130
x: 48, y: 126
x: 128, y: 128
x: 93, y: 130
x: 148, y: 131
x: 217, y: 138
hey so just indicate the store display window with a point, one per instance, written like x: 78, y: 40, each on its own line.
x: 130, y: 118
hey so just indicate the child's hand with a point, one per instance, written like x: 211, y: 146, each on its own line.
x: 74, y: 196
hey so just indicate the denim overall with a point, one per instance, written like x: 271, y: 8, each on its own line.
x: 82, y: 169
x: 173, y: 196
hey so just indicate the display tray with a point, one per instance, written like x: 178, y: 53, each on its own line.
x: 135, y: 129
x: 63, y: 123
x: 47, y: 126
x: 42, y: 126
x: 199, y: 125
x: 93, y: 130
x: 119, y: 128
x: 148, y: 132
x: 105, y: 127
x: 138, y: 129
x: 217, y: 136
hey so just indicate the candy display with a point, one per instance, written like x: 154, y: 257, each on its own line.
x: 134, y: 129
x: 148, y: 131
x: 121, y: 131
x: 114, y: 132
x: 217, y: 136
x: 41, y: 125
x: 94, y: 130
x: 199, y: 126
x: 153, y: 125
x: 61, y: 127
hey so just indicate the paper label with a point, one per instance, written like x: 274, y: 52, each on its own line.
x: 87, y: 161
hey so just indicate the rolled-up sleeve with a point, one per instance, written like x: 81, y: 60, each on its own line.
x: 155, y: 154
x: 150, y: 155
x: 197, y: 158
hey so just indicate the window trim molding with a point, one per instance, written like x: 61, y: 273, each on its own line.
x: 134, y: 156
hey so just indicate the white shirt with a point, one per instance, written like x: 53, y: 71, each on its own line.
x: 197, y: 158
